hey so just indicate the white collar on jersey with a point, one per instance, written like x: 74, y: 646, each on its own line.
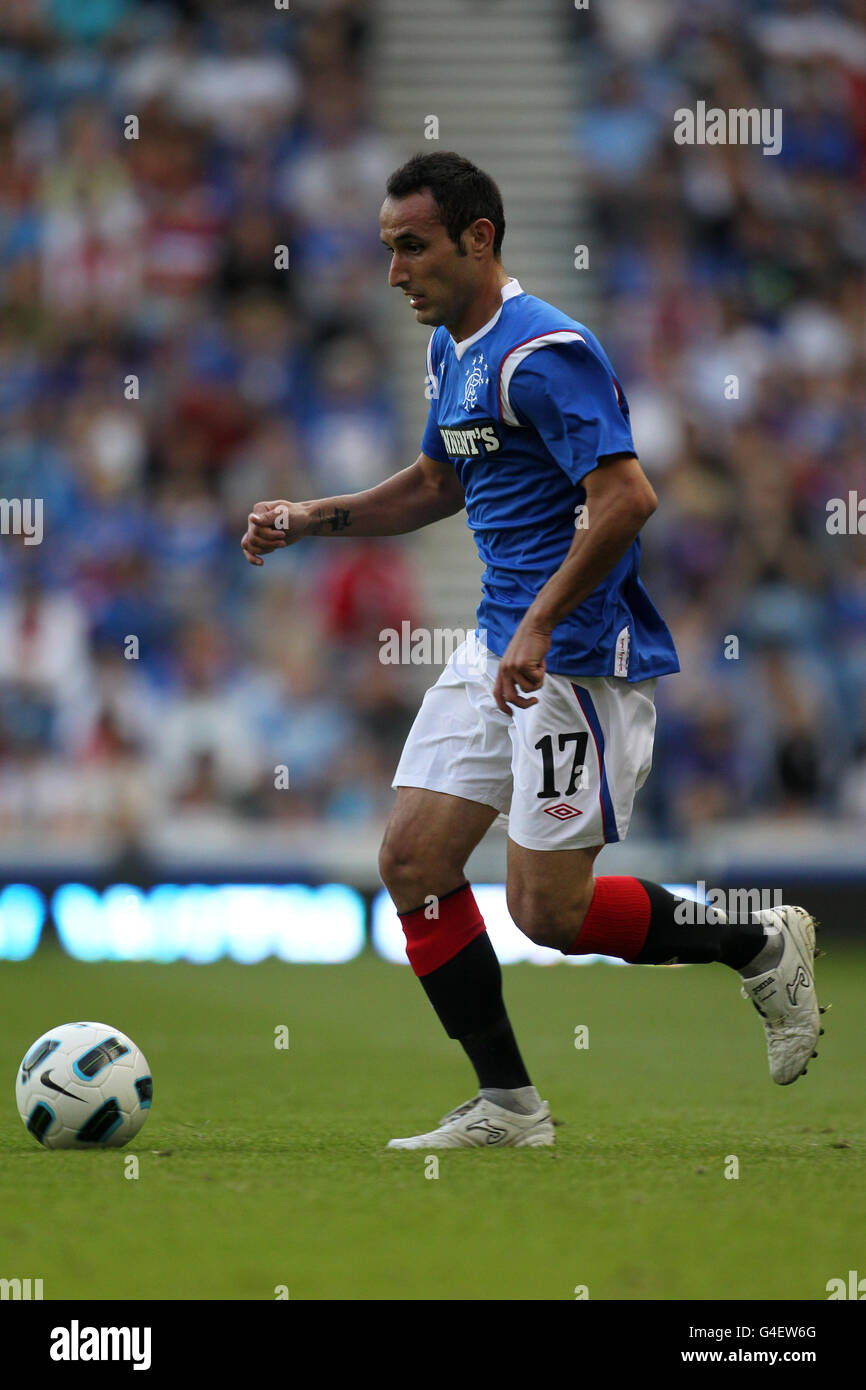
x: 509, y: 290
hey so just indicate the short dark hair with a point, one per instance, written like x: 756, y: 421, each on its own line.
x: 460, y: 190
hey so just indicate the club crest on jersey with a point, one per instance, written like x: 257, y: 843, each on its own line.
x: 478, y: 377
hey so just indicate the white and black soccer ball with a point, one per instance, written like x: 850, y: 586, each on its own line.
x: 83, y: 1086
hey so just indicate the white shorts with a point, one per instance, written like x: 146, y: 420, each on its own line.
x: 564, y: 772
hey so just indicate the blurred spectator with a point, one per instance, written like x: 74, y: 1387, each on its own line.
x: 90, y: 233
x: 347, y: 421
x: 45, y: 666
x: 160, y: 372
x: 205, y: 743
x: 729, y: 281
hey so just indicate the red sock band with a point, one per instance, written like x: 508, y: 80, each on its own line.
x: 617, y: 921
x: 432, y: 941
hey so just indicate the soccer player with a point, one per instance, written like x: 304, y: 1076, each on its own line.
x: 547, y: 713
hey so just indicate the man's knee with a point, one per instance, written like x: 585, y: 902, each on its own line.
x: 398, y: 858
x: 548, y: 921
x: 411, y: 868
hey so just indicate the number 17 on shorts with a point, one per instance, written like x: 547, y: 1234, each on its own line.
x: 578, y: 758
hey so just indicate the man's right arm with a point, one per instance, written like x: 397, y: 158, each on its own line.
x: 417, y: 496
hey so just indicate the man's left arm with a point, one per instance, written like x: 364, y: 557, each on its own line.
x: 568, y: 394
x: 619, y: 499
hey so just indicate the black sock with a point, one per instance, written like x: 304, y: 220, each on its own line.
x: 466, y: 993
x: 496, y: 1057
x: 696, y: 942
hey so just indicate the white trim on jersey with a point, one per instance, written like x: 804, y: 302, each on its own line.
x: 432, y: 378
x: 518, y: 355
x: 511, y: 288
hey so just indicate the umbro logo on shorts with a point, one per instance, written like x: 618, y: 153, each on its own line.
x: 562, y: 811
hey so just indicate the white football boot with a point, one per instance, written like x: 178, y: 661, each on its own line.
x: 785, y: 996
x: 459, y: 1110
x: 478, y: 1123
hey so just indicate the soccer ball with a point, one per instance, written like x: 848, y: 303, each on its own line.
x: 83, y: 1086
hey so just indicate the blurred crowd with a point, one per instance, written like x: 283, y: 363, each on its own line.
x: 191, y: 300
x: 733, y: 294
x: 191, y: 293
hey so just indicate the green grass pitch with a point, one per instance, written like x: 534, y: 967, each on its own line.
x: 261, y: 1167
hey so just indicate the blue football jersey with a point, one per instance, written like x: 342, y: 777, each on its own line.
x: 524, y: 409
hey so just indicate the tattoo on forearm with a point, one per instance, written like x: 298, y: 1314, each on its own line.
x: 337, y: 520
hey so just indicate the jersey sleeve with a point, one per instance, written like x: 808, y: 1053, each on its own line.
x: 568, y: 394
x: 431, y: 440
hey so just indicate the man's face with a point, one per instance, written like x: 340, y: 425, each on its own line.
x: 425, y: 263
